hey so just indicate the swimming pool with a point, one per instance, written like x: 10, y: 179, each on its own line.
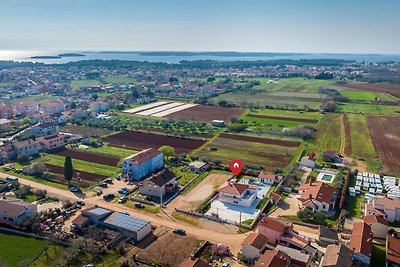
x: 327, y: 177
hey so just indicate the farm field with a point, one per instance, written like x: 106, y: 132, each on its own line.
x: 110, y: 151
x: 78, y: 84
x: 374, y: 87
x: 139, y: 141
x: 267, y: 155
x: 16, y: 250
x: 361, y: 142
x: 84, y: 130
x: 81, y: 165
x: 367, y: 108
x: 287, y: 113
x: 368, y: 96
x: 40, y: 98
x: 385, y: 133
x: 327, y: 136
x: 87, y: 179
x: 263, y: 122
x: 207, y: 113
x: 293, y: 85
x: 261, y: 140
x: 89, y: 156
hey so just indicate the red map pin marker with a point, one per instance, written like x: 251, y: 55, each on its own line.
x: 236, y: 167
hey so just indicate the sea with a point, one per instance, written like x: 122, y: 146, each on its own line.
x: 25, y: 56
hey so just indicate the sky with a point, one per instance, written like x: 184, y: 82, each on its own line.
x: 339, y: 26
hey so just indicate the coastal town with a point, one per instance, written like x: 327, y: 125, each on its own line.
x: 128, y: 163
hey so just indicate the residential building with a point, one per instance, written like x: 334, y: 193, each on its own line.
x: 159, y: 184
x: 361, y: 242
x: 280, y: 231
x: 6, y: 112
x: 393, y: 250
x: 14, y: 211
x: 309, y: 162
x: 269, y: 178
x: 218, y: 123
x: 75, y: 114
x: 52, y: 107
x: 253, y: 247
x: 143, y: 163
x: 299, y: 259
x: 239, y: 194
x: 46, y: 128
x: 337, y: 255
x: 99, y: 106
x: 25, y: 108
x: 379, y: 225
x: 273, y: 258
x: 327, y: 236
x: 198, y: 166
x: 388, y: 208
x: 194, y: 263
x: 52, y: 142
x: 318, y: 197
x: 5, y: 125
x: 331, y: 156
x: 7, y: 152
x: 28, y: 147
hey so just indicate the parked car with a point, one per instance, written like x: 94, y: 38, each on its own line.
x: 122, y: 200
x: 103, y: 184
x: 226, y: 264
x: 124, y: 212
x: 139, y: 205
x: 109, y: 196
x: 74, y: 188
x: 80, y: 202
x: 179, y: 232
x: 108, y: 181
x: 123, y: 191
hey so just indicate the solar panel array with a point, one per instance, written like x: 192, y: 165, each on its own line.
x: 126, y: 222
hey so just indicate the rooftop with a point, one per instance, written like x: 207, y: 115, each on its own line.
x: 273, y: 258
x: 373, y: 219
x: 126, y: 222
x: 162, y: 178
x: 294, y: 253
x: 13, y: 207
x: 321, y: 192
x: 235, y: 188
x: 337, y: 255
x: 278, y: 225
x: 255, y: 240
x: 143, y: 156
x: 393, y: 248
x: 361, y: 239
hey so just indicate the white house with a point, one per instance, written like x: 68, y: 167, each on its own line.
x: 143, y: 163
x: 269, y: 178
x: 158, y: 184
x: 25, y: 108
x: 28, y: 147
x: 239, y: 194
x: 388, y: 208
x: 46, y: 128
x: 253, y: 246
x: 309, y: 162
x: 14, y: 211
x: 52, y: 142
x: 318, y: 197
x: 52, y: 107
x: 379, y: 225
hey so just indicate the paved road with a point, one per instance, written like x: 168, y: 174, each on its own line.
x: 231, y: 240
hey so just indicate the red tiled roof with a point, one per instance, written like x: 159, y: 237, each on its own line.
x: 387, y: 202
x: 193, y: 263
x: 273, y: 258
x: 144, y: 155
x: 275, y: 197
x: 330, y: 153
x: 235, y: 188
x: 373, y: 219
x: 278, y: 225
x: 255, y: 240
x: 318, y: 191
x: 393, y: 249
x: 80, y: 220
x: 361, y: 239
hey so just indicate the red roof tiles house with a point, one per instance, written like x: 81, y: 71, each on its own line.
x: 321, y: 192
x: 255, y: 240
x: 235, y: 188
x: 361, y: 239
x: 373, y: 218
x: 193, y: 263
x: 273, y: 258
x: 393, y: 249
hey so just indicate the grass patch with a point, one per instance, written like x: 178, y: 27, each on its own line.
x: 328, y: 134
x: 353, y: 205
x: 367, y: 96
x: 113, y: 79
x: 79, y: 84
x: 108, y: 150
x: 378, y: 257
x: 261, y: 203
x: 184, y: 218
x: 148, y: 208
x: 184, y: 173
x: 367, y: 109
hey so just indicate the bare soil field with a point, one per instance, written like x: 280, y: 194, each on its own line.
x: 168, y: 132
x: 86, y: 177
x: 91, y: 157
x: 260, y: 140
x: 371, y: 87
x: 85, y: 130
x: 281, y: 118
x: 207, y: 113
x: 385, y: 133
x: 169, y: 250
x: 138, y: 141
x: 198, y: 194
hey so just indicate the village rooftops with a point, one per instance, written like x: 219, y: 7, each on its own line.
x: 255, y: 240
x: 13, y: 207
x: 337, y: 255
x: 24, y: 143
x: 393, y: 248
x: 162, y: 178
x: 321, y: 192
x: 278, y: 225
x: 235, y: 188
x: 373, y: 219
x: 361, y: 239
x: 46, y: 125
x: 295, y: 254
x: 273, y: 258
x: 387, y: 203
x: 52, y: 137
x: 143, y: 156
x: 270, y: 176
x: 330, y: 153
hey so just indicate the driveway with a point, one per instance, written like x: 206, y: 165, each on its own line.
x: 289, y: 206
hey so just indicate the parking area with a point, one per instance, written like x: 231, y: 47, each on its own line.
x: 289, y: 206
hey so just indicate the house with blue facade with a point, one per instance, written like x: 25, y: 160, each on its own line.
x: 142, y: 164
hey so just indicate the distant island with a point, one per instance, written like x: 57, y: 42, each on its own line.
x: 220, y: 54
x: 71, y: 55
x: 46, y: 57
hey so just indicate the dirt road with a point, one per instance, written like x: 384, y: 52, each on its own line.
x: 161, y: 219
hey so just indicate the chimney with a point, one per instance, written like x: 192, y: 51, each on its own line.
x: 310, y: 196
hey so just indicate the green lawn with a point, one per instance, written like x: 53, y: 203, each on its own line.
x: 185, y: 174
x: 152, y: 209
x: 274, y: 122
x: 78, y: 84
x: 41, y: 98
x: 16, y: 250
x: 109, y: 150
x: 367, y: 96
x: 287, y: 113
x: 353, y: 205
x: 292, y: 84
x: 328, y: 134
x: 81, y: 165
x: 367, y: 108
x: 112, y: 79
x: 378, y: 258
